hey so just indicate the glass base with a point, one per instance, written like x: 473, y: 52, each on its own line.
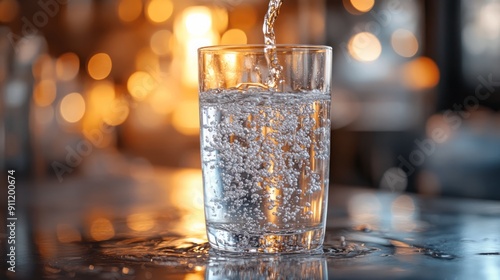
x: 300, y: 241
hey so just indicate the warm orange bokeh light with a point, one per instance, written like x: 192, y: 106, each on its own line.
x: 102, y: 229
x: 161, y: 42
x: 198, y: 20
x: 44, y: 67
x: 363, y: 5
x: 220, y: 18
x: 141, y: 221
x: 159, y: 10
x: 364, y: 47
x: 185, y: 118
x: 404, y: 43
x: 233, y: 37
x: 421, y: 73
x: 358, y: 7
x: 44, y: 93
x: 8, y: 10
x: 117, y: 112
x: 99, y: 66
x: 72, y: 107
x: 140, y: 84
x: 147, y: 60
x: 162, y: 100
x: 129, y: 10
x: 67, y: 66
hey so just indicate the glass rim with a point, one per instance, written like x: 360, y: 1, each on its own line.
x: 258, y: 48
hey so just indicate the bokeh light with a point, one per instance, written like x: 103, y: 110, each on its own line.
x: 404, y: 43
x: 140, y: 84
x: 363, y: 5
x: 44, y: 93
x: 102, y: 229
x: 117, y: 112
x: 198, y: 20
x: 141, y: 221
x: 161, y: 42
x: 159, y: 11
x: 233, y: 37
x: 99, y: 66
x: 162, y: 101
x: 421, y: 73
x: 8, y: 10
x: 101, y: 94
x: 67, y: 66
x: 220, y: 18
x: 72, y: 107
x: 358, y: 7
x: 129, y: 10
x: 185, y: 118
x: 44, y: 68
x: 147, y: 60
x: 364, y: 47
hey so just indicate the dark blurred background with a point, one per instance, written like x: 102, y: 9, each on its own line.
x: 91, y: 88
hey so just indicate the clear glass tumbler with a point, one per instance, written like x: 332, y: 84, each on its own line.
x: 265, y: 151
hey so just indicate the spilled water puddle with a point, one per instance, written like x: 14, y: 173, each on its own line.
x: 140, y: 257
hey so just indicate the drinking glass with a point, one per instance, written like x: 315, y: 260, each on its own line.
x: 265, y: 150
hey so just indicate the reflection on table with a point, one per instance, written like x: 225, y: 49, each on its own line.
x: 148, y: 223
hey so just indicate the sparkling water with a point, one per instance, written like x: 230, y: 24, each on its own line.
x: 265, y: 159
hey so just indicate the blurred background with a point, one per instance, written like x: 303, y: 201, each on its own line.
x: 92, y: 88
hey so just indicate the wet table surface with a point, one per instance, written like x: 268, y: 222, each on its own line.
x: 147, y: 223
